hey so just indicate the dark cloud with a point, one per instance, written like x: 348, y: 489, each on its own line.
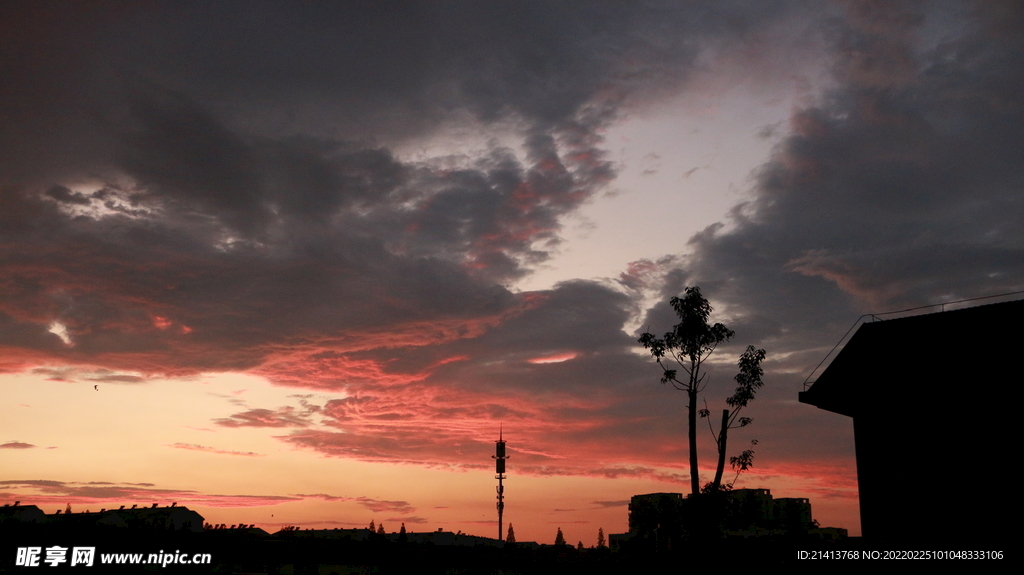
x: 16, y: 445
x: 605, y: 504
x: 409, y: 519
x: 204, y: 187
x: 118, y: 378
x: 284, y: 417
x: 75, y: 374
x: 380, y: 505
x: 104, y: 81
x: 79, y: 493
x: 898, y: 189
x: 207, y: 449
x: 62, y: 194
x: 376, y: 505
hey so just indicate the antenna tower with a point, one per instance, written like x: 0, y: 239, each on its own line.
x: 499, y: 468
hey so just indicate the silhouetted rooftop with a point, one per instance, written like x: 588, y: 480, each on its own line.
x: 909, y: 353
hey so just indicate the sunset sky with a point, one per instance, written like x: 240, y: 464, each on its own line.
x: 294, y: 263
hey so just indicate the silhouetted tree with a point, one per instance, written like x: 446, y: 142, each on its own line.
x: 402, y: 537
x: 373, y: 528
x: 579, y: 546
x: 600, y: 538
x: 749, y: 380
x: 380, y: 529
x: 511, y: 539
x: 689, y: 344
x: 560, y: 539
x: 742, y: 462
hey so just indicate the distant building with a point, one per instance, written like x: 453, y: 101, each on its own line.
x: 439, y: 537
x: 168, y: 518
x: 653, y: 511
x: 666, y: 519
x: 792, y: 512
x: 932, y: 398
x: 751, y: 510
x: 18, y: 514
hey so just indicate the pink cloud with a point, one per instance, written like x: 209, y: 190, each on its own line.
x: 556, y: 358
x: 16, y: 445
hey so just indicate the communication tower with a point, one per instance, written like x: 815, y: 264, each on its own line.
x: 499, y: 468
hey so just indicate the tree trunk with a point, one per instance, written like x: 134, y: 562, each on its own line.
x: 722, y: 436
x: 694, y: 472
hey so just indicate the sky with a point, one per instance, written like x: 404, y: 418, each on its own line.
x: 294, y: 264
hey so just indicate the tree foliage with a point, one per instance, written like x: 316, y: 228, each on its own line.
x: 739, y: 464
x: 559, y: 538
x: 690, y: 342
x: 749, y: 381
x: 600, y: 538
x: 511, y: 535
x: 743, y: 461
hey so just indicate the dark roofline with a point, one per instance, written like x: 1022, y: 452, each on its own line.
x: 868, y: 357
x: 876, y: 317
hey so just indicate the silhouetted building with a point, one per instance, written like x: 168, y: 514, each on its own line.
x: 169, y: 518
x: 240, y: 530
x: 18, y: 513
x: 663, y: 520
x: 749, y: 510
x: 930, y: 397
x: 792, y: 512
x: 439, y: 537
x: 649, y: 512
x: 655, y: 521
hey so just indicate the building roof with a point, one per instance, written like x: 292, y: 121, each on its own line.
x: 915, y: 359
x: 22, y: 513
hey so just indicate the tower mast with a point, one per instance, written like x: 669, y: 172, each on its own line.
x: 499, y: 468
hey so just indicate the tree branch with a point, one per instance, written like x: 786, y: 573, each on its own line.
x: 706, y: 413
